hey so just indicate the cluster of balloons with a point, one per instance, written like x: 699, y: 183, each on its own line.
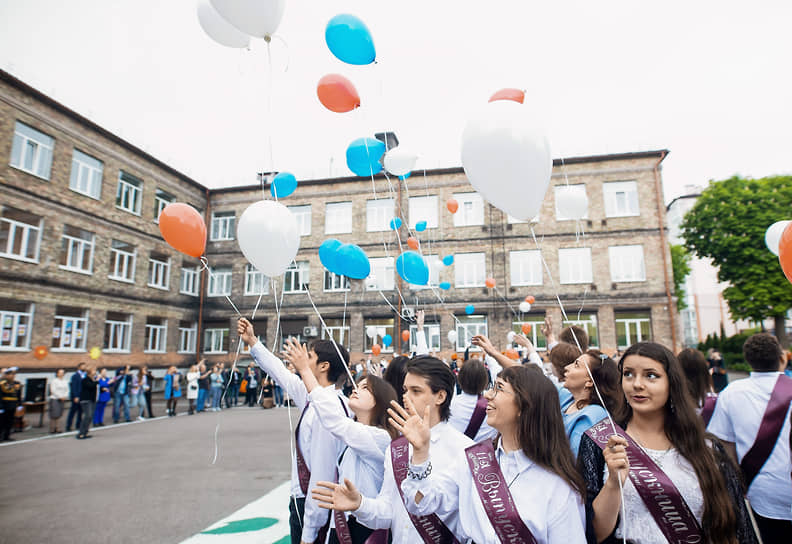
x: 233, y: 22
x: 779, y: 240
x: 344, y: 259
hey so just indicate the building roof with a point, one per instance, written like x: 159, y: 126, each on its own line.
x: 695, y: 195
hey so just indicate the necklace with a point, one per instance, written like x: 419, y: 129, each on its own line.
x: 658, y: 457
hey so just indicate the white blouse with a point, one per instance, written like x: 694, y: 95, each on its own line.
x: 59, y: 389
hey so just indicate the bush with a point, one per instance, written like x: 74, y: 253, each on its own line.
x: 730, y: 347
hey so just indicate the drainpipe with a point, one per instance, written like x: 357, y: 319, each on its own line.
x: 665, y: 249
x: 198, y: 342
x: 397, y: 340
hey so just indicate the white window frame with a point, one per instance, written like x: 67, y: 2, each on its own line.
x: 127, y: 272
x: 627, y: 263
x: 338, y: 284
x: 470, y: 269
x: 219, y: 284
x: 72, y: 325
x: 632, y: 326
x: 382, y: 277
x: 525, y: 267
x: 379, y: 213
x: 297, y: 277
x: 586, y: 325
x: 434, y: 264
x: 156, y: 337
x: 627, y: 205
x: 159, y: 273
x: 187, y: 338
x: 256, y: 283
x: 382, y: 330
x: 303, y: 216
x: 122, y: 328
x: 86, y: 174
x: 558, y: 190
x: 535, y: 336
x: 223, y: 224
x: 27, y: 230
x: 76, y: 249
x: 129, y: 195
x: 161, y: 201
x: 467, y: 328
x: 11, y: 321
x: 211, y: 338
x: 472, y: 215
x: 432, y: 332
x: 338, y: 217
x: 424, y: 208
x: 39, y: 144
x: 574, y: 265
x: 339, y: 333
x: 189, y: 282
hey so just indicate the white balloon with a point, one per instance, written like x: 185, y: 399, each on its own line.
x: 258, y: 18
x: 773, y: 235
x: 371, y: 331
x: 510, y: 336
x: 452, y: 337
x: 571, y: 202
x: 525, y: 306
x: 218, y: 28
x: 507, y: 157
x: 268, y: 236
x: 399, y: 161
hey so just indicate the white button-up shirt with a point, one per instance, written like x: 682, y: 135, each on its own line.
x: 737, y: 417
x: 462, y: 406
x: 319, y: 448
x: 548, y: 506
x: 387, y: 511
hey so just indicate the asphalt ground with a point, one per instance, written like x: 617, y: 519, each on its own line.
x: 151, y: 481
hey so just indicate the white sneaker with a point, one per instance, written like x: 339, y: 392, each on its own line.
x: 141, y: 418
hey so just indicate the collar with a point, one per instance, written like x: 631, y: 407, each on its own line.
x: 438, y: 431
x: 760, y: 375
x: 518, y: 457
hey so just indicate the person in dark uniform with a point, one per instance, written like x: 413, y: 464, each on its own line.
x: 10, y: 398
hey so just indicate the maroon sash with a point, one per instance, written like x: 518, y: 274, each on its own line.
x: 479, y: 413
x: 431, y: 528
x: 657, y: 491
x: 709, y: 408
x: 495, y: 495
x: 772, y: 423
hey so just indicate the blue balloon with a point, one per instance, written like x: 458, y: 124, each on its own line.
x: 405, y: 176
x: 349, y: 39
x: 283, y: 185
x: 387, y: 340
x: 363, y: 156
x: 412, y: 268
x: 445, y: 286
x: 395, y: 223
x: 420, y: 226
x: 469, y: 309
x: 328, y: 253
x: 353, y: 262
x: 448, y: 260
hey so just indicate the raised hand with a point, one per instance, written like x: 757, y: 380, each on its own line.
x: 296, y: 353
x: 547, y: 329
x: 522, y: 340
x: 616, y: 458
x: 419, y: 319
x: 484, y: 343
x: 342, y: 497
x: 246, y: 332
x: 415, y: 428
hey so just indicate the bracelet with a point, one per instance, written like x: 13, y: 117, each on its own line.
x: 422, y: 475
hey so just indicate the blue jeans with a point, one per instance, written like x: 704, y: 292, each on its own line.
x: 217, y: 393
x: 118, y: 401
x: 201, y: 400
x: 232, y: 395
x: 278, y: 395
x: 139, y: 400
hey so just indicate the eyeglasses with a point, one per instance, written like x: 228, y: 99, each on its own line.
x: 496, y: 388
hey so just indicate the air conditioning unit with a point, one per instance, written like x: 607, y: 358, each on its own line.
x: 310, y: 331
x: 408, y: 313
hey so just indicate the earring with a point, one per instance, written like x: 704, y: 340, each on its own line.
x: 673, y: 408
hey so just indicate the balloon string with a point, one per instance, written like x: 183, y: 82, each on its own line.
x: 222, y: 399
x: 206, y: 267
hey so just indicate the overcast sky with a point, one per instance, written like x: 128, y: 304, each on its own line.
x: 710, y: 81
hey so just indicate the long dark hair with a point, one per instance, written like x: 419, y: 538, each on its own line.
x: 394, y: 375
x: 699, y: 381
x: 383, y: 394
x: 540, y: 428
x: 685, y: 429
x: 607, y: 377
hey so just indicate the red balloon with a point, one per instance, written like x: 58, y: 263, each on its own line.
x: 785, y: 252
x: 337, y: 93
x: 413, y: 243
x: 490, y: 282
x: 452, y: 205
x: 183, y: 228
x: 530, y: 299
x: 376, y: 349
x: 509, y: 94
x: 526, y: 328
x: 405, y: 335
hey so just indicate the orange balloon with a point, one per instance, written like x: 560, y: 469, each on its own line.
x: 337, y: 93
x: 490, y: 282
x: 183, y: 228
x: 530, y: 299
x: 452, y: 205
x: 376, y: 349
x: 785, y: 252
x: 454, y: 356
x: 526, y: 328
x: 413, y: 243
x: 405, y: 335
x: 509, y: 94
x: 512, y: 354
x: 39, y: 352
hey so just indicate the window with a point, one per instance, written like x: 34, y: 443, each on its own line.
x: 16, y: 318
x: 122, y: 261
x: 32, y: 151
x: 118, y: 332
x: 190, y: 281
x: 525, y: 267
x: 338, y: 218
x: 188, y: 331
x: 77, y: 247
x: 535, y: 335
x: 260, y: 326
x: 469, y: 326
x: 303, y: 216
x: 379, y: 214
x: 424, y: 208
x: 161, y: 200
x: 434, y: 264
x: 632, y: 328
x: 219, y: 282
x: 215, y: 338
x: 223, y: 225
x: 70, y: 329
x: 20, y: 235
x: 86, y: 175
x: 432, y: 332
x: 129, y: 192
x: 570, y: 191
x: 381, y: 277
x: 470, y: 269
x: 627, y: 263
x: 588, y: 322
x: 471, y: 210
x: 338, y: 329
x: 621, y: 198
x: 296, y: 277
x: 334, y: 282
x: 575, y: 265
x: 256, y: 283
x: 383, y: 326
x: 159, y: 271
x: 156, y: 335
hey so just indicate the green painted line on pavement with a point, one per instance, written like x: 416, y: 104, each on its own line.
x: 242, y: 526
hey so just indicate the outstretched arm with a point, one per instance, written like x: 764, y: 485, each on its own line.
x: 484, y: 343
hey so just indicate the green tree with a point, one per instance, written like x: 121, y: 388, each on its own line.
x: 727, y: 224
x: 680, y: 264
